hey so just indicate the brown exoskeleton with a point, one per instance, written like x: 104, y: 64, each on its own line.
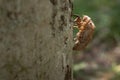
x: 86, y: 29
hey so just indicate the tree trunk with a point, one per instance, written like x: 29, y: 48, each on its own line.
x: 35, y: 40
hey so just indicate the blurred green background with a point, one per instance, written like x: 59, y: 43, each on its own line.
x: 101, y: 58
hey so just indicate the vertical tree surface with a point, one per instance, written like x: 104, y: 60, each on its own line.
x: 35, y: 40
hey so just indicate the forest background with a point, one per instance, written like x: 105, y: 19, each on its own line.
x: 101, y: 59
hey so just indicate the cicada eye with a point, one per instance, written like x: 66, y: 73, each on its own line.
x: 92, y: 25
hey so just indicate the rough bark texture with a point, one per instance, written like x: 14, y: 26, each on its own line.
x: 35, y: 40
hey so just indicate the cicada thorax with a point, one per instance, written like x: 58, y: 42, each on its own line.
x: 86, y: 29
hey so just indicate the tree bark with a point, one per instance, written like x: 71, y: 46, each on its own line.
x: 35, y: 40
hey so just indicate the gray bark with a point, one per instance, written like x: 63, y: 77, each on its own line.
x: 35, y: 40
